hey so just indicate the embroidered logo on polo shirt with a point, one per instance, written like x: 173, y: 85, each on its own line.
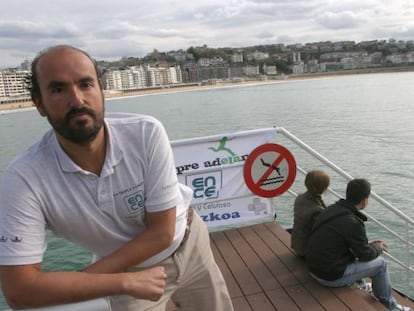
x: 14, y: 239
x: 135, y: 202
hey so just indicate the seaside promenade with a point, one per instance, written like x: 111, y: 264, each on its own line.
x: 225, y: 83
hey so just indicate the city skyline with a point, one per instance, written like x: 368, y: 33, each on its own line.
x: 109, y: 30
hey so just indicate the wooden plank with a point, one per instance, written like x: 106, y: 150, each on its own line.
x: 370, y: 299
x: 255, y: 264
x: 303, y: 298
x: 241, y: 304
x: 403, y: 300
x: 281, y: 300
x: 326, y: 298
x: 263, y: 273
x: 269, y: 257
x: 260, y: 302
x: 357, y: 299
x: 280, y: 232
x: 240, y: 272
x: 232, y: 286
x: 292, y: 262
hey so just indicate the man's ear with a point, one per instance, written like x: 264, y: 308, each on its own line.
x: 39, y: 106
x: 364, y: 202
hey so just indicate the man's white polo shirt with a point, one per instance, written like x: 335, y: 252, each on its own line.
x: 44, y: 188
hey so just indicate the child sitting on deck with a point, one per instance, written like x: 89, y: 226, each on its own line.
x: 307, y: 206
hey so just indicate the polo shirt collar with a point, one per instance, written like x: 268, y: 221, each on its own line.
x: 113, y: 155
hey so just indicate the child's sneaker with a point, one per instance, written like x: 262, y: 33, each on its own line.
x: 362, y: 284
x: 367, y: 287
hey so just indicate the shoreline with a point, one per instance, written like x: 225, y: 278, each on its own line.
x: 219, y: 84
x: 158, y: 90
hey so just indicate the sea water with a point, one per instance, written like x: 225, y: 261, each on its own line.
x: 362, y: 123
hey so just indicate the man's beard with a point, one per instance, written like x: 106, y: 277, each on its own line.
x: 80, y: 133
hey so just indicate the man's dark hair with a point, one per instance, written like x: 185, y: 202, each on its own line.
x: 32, y: 81
x: 357, y: 190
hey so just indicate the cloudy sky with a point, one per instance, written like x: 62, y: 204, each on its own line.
x: 111, y: 29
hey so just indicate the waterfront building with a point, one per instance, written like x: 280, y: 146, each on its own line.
x: 237, y: 57
x: 138, y: 77
x: 257, y: 55
x: 13, y: 84
x: 190, y: 73
x: 235, y: 72
x: 313, y: 66
x: 251, y: 70
x: 159, y: 76
x: 213, y: 73
x: 296, y: 57
x: 298, y: 69
x: 269, y: 70
x: 112, y: 80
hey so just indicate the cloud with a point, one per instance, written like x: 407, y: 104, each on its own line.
x: 265, y: 35
x: 113, y: 29
x: 341, y: 20
x: 29, y: 30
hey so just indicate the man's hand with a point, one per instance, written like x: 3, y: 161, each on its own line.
x: 380, y: 245
x: 146, y: 284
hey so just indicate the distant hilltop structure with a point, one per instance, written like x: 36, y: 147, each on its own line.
x: 204, y: 65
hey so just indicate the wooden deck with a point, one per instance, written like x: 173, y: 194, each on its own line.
x: 263, y: 274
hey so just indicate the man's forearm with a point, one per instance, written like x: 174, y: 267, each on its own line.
x: 157, y: 237
x: 51, y: 288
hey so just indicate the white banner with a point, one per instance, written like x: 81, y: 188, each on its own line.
x: 213, y: 167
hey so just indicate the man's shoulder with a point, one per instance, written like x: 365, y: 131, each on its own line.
x: 334, y: 213
x: 123, y: 128
x: 36, y: 152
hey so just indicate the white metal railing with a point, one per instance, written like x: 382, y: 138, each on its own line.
x: 408, y: 222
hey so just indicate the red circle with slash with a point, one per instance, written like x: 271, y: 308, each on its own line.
x: 269, y: 170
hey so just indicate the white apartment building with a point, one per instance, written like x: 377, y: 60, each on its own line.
x: 251, y: 70
x: 13, y: 83
x: 159, y: 76
x: 113, y: 80
x: 400, y: 58
x: 296, y: 57
x: 138, y: 77
x: 126, y: 79
x: 299, y: 68
x: 237, y: 57
x: 213, y: 61
x: 257, y: 55
x: 176, y: 75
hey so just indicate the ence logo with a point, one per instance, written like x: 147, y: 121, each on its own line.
x: 135, y: 202
x: 205, y: 186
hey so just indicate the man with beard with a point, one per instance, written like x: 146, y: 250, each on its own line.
x: 110, y: 186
